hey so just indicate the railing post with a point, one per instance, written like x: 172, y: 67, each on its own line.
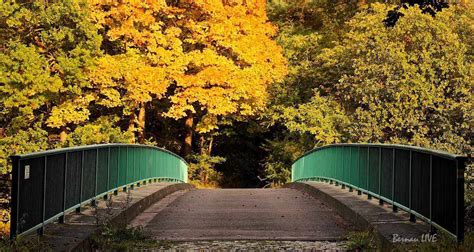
x: 133, y: 169
x: 139, y: 167
x: 350, y: 170
x: 343, y: 186
x: 431, y: 194
x: 93, y: 202
x: 40, y: 231
x: 460, y: 168
x: 369, y: 196
x: 63, y: 217
x: 78, y: 209
x: 359, y: 184
x: 412, y: 216
x: 380, y: 174
x: 126, y: 170
x: 336, y: 167
x: 15, y: 196
x: 394, y: 208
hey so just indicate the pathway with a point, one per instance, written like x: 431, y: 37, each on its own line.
x: 242, y: 214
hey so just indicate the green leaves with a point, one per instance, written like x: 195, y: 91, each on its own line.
x: 404, y: 82
x: 411, y: 83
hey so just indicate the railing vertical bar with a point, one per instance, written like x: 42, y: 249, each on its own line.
x: 394, y: 208
x: 380, y: 173
x: 82, y: 181
x: 460, y: 168
x: 350, y: 169
x: 16, y: 174
x: 96, y: 169
x: 62, y: 219
x: 43, y: 212
x: 126, y: 168
x: 118, y: 167
x: 431, y: 191
x: 134, y: 166
x: 343, y: 185
x: 412, y: 216
x: 457, y: 198
x: 359, y: 184
x: 108, y: 169
x: 369, y: 196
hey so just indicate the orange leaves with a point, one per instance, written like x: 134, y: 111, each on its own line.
x: 232, y: 59
x: 219, y: 54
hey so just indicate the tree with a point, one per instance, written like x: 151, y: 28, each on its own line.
x: 227, y: 73
x: 59, y: 44
x: 408, y: 84
x: 364, y: 82
x: 144, y: 55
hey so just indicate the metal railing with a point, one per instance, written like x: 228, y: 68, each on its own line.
x: 427, y: 184
x: 47, y: 185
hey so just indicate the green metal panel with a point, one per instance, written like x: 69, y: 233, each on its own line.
x: 374, y: 167
x: 386, y: 176
x: 113, y: 168
x: 103, y: 182
x: 123, y: 165
x: 426, y: 183
x: 363, y: 175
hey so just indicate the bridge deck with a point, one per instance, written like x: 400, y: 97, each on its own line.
x: 241, y: 214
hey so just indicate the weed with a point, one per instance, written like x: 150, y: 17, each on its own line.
x: 360, y: 240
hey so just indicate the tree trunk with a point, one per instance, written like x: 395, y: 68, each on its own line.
x: 63, y: 134
x: 188, y: 135
x: 141, y: 124
x: 202, y: 141
x: 131, y: 124
x: 209, y: 150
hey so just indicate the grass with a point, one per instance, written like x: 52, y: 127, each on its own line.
x: 31, y: 243
x: 360, y: 241
x: 115, y: 238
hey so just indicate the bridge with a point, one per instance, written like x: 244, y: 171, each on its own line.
x: 336, y: 189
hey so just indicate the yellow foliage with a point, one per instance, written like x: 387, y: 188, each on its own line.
x: 219, y: 54
x: 4, y: 223
x: 71, y: 111
x: 150, y: 52
x: 231, y: 59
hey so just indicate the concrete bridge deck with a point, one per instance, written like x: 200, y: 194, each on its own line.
x: 304, y: 212
x: 243, y: 214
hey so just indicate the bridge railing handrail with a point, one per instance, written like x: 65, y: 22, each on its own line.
x: 400, y: 146
x: 48, y: 184
x: 427, y: 184
x: 84, y: 147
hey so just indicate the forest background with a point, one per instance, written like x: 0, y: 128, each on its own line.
x: 239, y: 88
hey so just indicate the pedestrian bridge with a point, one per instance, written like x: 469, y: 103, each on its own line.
x: 425, y: 185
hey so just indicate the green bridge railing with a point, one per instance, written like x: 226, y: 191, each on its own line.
x: 425, y: 183
x: 47, y: 185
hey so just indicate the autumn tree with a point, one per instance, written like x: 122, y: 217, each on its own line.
x: 144, y: 55
x: 227, y: 71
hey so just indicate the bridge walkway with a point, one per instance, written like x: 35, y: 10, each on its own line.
x: 243, y: 214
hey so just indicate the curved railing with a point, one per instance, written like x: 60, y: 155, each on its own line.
x: 46, y: 185
x: 427, y: 184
